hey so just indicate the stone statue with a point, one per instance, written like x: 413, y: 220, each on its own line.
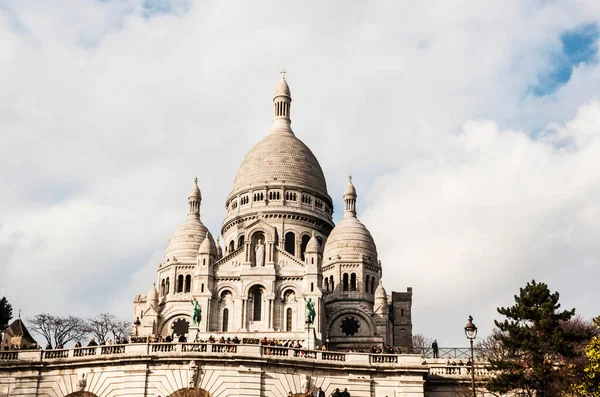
x: 193, y: 374
x: 260, y: 253
x: 196, y: 312
x: 304, y: 383
x: 82, y: 383
x: 310, y: 311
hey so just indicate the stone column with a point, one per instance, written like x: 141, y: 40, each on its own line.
x: 244, y: 304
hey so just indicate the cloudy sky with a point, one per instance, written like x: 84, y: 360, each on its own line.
x: 472, y: 130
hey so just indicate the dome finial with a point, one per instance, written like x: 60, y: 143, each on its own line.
x: 283, y: 72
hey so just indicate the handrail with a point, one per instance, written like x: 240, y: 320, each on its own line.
x: 452, y: 352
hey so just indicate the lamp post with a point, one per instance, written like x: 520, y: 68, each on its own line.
x: 471, y: 333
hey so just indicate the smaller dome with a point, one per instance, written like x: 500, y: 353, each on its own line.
x: 185, y: 242
x: 313, y: 245
x: 207, y: 246
x: 350, y: 239
x: 152, y: 294
x: 380, y: 292
x: 282, y: 89
x: 350, y: 190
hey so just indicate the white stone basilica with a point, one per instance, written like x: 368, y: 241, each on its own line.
x: 281, y: 248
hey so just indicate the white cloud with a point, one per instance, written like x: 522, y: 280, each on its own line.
x: 107, y: 114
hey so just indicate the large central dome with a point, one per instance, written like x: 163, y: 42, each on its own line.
x: 280, y: 158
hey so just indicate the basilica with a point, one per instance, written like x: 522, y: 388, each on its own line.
x: 281, y: 249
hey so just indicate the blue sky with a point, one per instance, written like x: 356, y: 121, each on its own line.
x: 579, y: 45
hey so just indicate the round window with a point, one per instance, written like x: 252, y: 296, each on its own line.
x: 350, y: 326
x: 181, y: 326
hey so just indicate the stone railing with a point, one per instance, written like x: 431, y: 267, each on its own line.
x: 241, y: 351
x: 84, y: 351
x: 9, y: 355
x: 457, y: 370
x: 383, y: 358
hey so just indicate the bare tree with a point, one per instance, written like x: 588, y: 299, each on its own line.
x: 105, y: 325
x: 421, y: 344
x: 58, y: 330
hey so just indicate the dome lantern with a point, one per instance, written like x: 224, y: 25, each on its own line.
x: 195, y: 198
x: 282, y: 103
x: 350, y: 199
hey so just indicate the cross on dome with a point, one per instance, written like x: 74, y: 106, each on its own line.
x: 283, y: 72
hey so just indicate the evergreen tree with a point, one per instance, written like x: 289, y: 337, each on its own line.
x: 5, y: 313
x: 535, y: 345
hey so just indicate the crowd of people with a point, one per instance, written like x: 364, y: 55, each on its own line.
x: 33, y: 346
x: 321, y: 393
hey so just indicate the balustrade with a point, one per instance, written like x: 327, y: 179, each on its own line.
x: 383, y: 358
x: 10, y: 355
x: 274, y: 351
x: 330, y: 356
x: 224, y: 348
x: 457, y: 370
x: 84, y: 351
x: 162, y: 347
x: 194, y: 347
x: 49, y: 354
x: 116, y: 349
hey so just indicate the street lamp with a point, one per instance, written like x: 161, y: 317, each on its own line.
x: 471, y: 333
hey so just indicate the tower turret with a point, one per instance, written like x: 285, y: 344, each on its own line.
x: 282, y: 103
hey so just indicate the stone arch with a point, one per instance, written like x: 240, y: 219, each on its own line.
x: 190, y: 392
x: 287, y: 286
x: 81, y: 394
x: 165, y: 327
x: 232, y: 287
x: 304, y: 239
x: 265, y: 286
x: 289, y: 242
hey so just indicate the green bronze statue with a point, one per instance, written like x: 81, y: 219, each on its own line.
x: 310, y: 311
x: 196, y: 312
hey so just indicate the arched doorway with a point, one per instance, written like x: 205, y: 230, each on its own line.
x: 191, y: 392
x: 81, y: 394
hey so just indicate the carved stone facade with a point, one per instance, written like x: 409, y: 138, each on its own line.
x: 281, y: 248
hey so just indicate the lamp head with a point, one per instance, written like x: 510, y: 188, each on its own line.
x: 471, y: 329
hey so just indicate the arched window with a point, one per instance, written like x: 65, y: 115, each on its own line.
x: 225, y: 319
x: 331, y: 283
x: 290, y: 243
x: 162, y: 287
x: 188, y: 283
x: 288, y: 319
x: 240, y: 241
x: 180, y: 283
x: 373, y: 285
x: 327, y: 284
x: 305, y: 240
x: 353, y: 282
x: 202, y: 287
x: 167, y: 286
x: 231, y: 246
x: 367, y: 281
x: 312, y: 287
x: 345, y: 289
x: 257, y: 309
